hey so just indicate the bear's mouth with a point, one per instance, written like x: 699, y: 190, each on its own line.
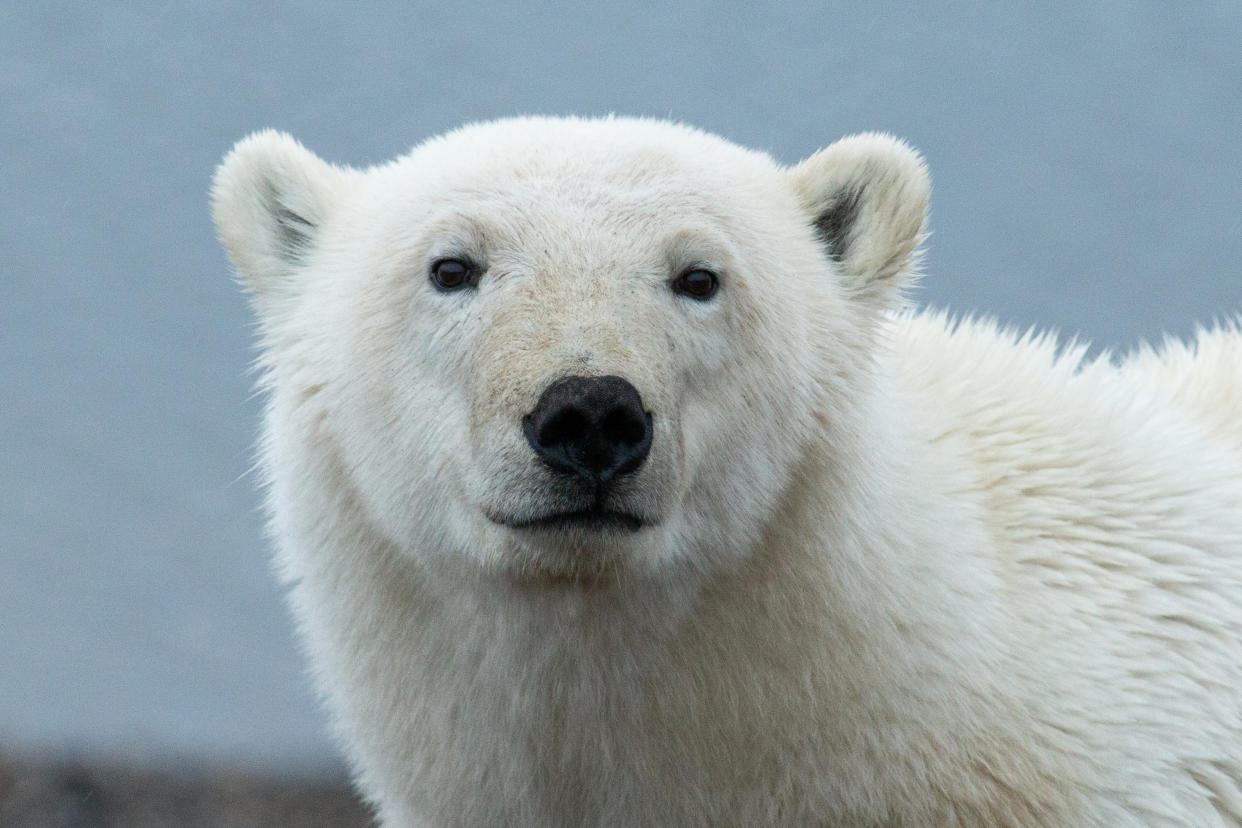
x: 589, y: 520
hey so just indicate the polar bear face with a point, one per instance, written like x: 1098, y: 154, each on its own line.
x: 560, y: 350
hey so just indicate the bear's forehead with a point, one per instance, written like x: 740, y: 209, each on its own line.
x: 560, y: 139
x: 584, y: 160
x: 576, y: 232
x: 614, y: 175
x: 527, y: 173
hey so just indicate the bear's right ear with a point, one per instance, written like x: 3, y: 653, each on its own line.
x: 866, y: 199
x: 269, y: 197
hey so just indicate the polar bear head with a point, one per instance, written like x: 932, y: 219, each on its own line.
x: 557, y: 349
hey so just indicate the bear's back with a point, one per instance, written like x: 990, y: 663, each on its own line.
x: 1113, y: 495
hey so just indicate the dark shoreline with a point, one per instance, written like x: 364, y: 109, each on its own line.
x: 98, y: 795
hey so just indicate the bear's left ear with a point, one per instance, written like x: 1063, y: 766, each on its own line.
x: 866, y: 199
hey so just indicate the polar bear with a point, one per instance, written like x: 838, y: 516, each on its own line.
x: 616, y: 485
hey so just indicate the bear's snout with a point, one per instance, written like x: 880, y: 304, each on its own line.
x: 592, y: 427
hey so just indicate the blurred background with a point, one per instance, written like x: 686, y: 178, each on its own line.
x: 1088, y: 177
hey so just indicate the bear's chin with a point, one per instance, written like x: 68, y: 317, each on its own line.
x: 557, y: 572
x: 578, y: 579
x: 580, y: 551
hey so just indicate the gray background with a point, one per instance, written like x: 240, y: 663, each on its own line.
x: 1088, y: 176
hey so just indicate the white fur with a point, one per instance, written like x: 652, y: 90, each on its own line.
x: 900, y: 570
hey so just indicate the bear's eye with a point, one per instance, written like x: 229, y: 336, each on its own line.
x: 453, y: 274
x: 697, y: 283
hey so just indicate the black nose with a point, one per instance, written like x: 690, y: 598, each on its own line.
x: 592, y: 427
